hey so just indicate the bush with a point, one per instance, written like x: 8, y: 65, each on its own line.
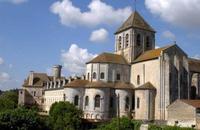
x: 155, y: 127
x: 65, y: 116
x: 125, y: 124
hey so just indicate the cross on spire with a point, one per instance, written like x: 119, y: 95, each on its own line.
x: 135, y: 2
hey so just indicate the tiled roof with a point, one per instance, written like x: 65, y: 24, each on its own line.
x: 135, y: 20
x: 194, y: 65
x: 99, y: 84
x: 151, y: 54
x: 194, y: 103
x: 109, y: 58
x: 146, y: 86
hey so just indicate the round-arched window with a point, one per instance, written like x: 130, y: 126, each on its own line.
x: 102, y: 75
x: 76, y: 100
x: 94, y: 75
x: 97, y: 101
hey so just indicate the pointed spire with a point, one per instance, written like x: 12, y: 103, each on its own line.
x: 135, y: 20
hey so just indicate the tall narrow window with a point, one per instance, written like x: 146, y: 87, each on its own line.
x: 138, y: 80
x: 127, y: 40
x: 118, y: 77
x: 102, y: 75
x: 88, y: 76
x: 138, y: 40
x: 76, y: 98
x: 64, y: 97
x: 133, y: 102
x: 111, y: 102
x: 94, y: 75
x: 127, y: 103
x: 34, y: 93
x: 97, y: 101
x: 120, y: 42
x: 138, y: 102
x: 147, y: 42
x: 86, y: 101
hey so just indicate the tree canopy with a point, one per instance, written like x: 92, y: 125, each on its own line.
x: 65, y: 116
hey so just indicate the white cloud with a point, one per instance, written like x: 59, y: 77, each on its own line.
x: 75, y: 58
x: 14, y: 1
x: 169, y: 35
x: 156, y: 47
x: 4, y: 77
x: 197, y: 56
x: 1, y: 61
x: 98, y: 13
x: 100, y: 35
x: 178, y: 12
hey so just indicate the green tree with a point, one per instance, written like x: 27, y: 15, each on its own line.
x: 125, y: 124
x: 8, y: 100
x: 65, y: 116
x: 20, y: 119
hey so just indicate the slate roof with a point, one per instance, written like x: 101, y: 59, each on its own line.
x: 109, y: 58
x: 151, y: 54
x: 194, y: 65
x: 146, y: 86
x: 99, y: 84
x: 135, y: 20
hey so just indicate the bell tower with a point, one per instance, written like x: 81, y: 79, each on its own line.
x: 134, y: 37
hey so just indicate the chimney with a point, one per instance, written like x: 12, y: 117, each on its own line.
x: 56, y: 70
x: 30, y: 82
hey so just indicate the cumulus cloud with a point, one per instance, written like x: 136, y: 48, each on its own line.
x: 74, y: 59
x: 1, y: 60
x: 14, y: 1
x: 169, y: 35
x: 100, y: 35
x: 178, y: 12
x: 98, y: 13
x: 4, y: 77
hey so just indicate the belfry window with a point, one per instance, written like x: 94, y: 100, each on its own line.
x: 127, y: 103
x: 120, y: 42
x: 94, y: 75
x: 138, y: 80
x: 138, y: 39
x: 102, y: 75
x: 86, y: 101
x: 127, y: 40
x: 76, y: 99
x: 97, y: 101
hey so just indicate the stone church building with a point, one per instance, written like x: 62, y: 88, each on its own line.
x: 137, y: 80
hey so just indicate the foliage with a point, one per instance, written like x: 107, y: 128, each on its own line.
x: 125, y: 124
x: 8, y: 100
x: 20, y: 119
x: 65, y: 116
x: 155, y: 127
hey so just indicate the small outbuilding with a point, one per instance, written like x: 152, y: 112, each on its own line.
x: 184, y: 113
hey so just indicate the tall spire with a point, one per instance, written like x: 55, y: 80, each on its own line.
x: 135, y: 4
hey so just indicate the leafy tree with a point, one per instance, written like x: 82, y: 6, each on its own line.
x: 8, y: 100
x: 64, y: 116
x: 125, y: 124
x: 164, y: 127
x: 20, y: 119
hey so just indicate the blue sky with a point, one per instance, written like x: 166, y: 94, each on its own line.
x: 36, y: 34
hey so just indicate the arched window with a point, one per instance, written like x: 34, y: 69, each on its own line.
x: 138, y: 40
x: 97, y: 101
x: 147, y: 42
x: 138, y: 80
x: 118, y: 77
x: 76, y: 98
x: 94, y: 75
x: 127, y: 40
x: 102, y: 75
x: 120, y: 42
x: 127, y: 103
x: 86, y: 101
x: 88, y: 76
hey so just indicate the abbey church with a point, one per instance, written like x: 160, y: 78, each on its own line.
x: 137, y: 80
